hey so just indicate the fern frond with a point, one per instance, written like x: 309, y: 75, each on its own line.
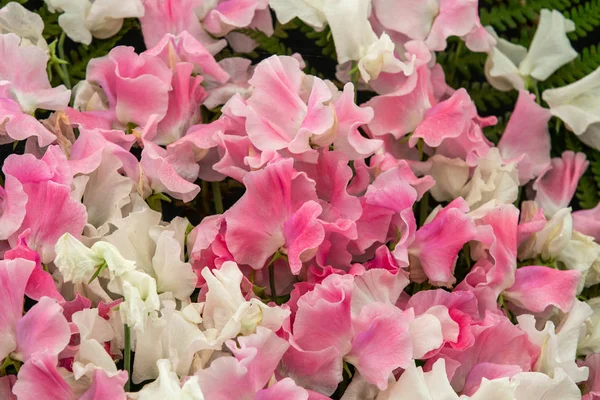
x: 323, y: 39
x: 586, y: 18
x: 508, y: 15
x: 270, y: 44
x: 587, y: 193
x: 486, y: 97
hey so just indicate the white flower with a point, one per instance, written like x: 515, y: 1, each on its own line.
x: 77, y: 263
x: 174, y: 336
x: 558, y: 344
x: 589, y: 342
x: 14, y: 18
x: 450, y: 177
x: 82, y: 19
x: 510, y: 66
x: 579, y: 254
x: 492, y: 180
x: 353, y: 35
x: 578, y: 106
x: 226, y: 312
x: 551, y: 241
x: 140, y: 298
x: 168, y: 386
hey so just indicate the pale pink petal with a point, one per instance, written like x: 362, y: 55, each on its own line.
x: 43, y: 329
x: 39, y: 378
x: 284, y: 389
x: 175, y: 16
x: 588, y: 222
x: 526, y: 138
x: 20, y: 126
x: 318, y: 370
x: 489, y: 371
x: 105, y: 387
x: 303, y: 233
x: 14, y: 275
x: 455, y: 18
x: 555, y: 189
x: 350, y: 117
x: 12, y: 202
x: 169, y: 172
x: 592, y: 384
x: 382, y: 343
x: 40, y: 282
x: 536, y: 288
x: 25, y: 77
x: 400, y: 114
x: 232, y: 14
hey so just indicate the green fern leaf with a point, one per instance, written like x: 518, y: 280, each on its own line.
x: 586, y: 18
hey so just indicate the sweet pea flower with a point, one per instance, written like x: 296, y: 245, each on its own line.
x: 26, y: 89
x: 558, y: 343
x: 78, y: 263
x: 167, y: 386
x: 576, y: 105
x: 14, y: 18
x: 589, y: 342
x: 526, y: 139
x: 140, y: 297
x: 46, y: 182
x: 83, y: 19
x: 354, y: 42
x: 434, y: 21
x: 510, y: 66
x: 555, y: 188
x: 176, y: 16
x: 42, y: 330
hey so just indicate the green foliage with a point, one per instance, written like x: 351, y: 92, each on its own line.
x: 323, y: 39
x: 586, y: 17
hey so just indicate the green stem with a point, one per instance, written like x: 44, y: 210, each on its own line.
x: 204, y: 194
x: 127, y: 356
x: 354, y: 76
x: 61, y: 54
x: 63, y: 77
x: 216, y: 188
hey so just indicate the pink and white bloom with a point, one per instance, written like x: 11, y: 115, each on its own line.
x: 14, y: 18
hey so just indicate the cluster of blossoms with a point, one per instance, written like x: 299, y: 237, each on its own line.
x: 376, y: 252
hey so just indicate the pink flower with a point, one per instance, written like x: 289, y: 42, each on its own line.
x: 278, y: 211
x: 555, y: 188
x: 537, y: 288
x: 50, y: 211
x: 24, y: 89
x: 454, y: 127
x: 231, y: 14
x: 438, y: 242
x: 592, y: 384
x: 248, y: 371
x: 526, y: 139
x: 499, y: 345
x: 432, y: 21
x: 42, y: 330
x: 175, y: 16
x: 588, y: 222
x: 136, y: 86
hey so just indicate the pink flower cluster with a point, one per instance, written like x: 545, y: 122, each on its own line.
x: 376, y: 252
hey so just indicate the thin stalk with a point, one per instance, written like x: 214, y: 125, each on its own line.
x: 127, y: 356
x: 61, y: 54
x: 424, y: 209
x: 216, y: 189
